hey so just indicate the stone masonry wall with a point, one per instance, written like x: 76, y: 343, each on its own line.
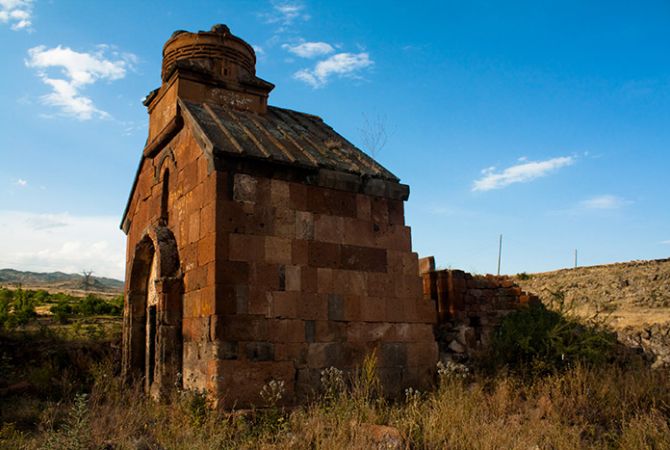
x: 469, y: 308
x: 190, y: 208
x: 308, y: 278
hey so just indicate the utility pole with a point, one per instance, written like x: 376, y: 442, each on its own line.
x: 575, y: 258
x: 499, y: 253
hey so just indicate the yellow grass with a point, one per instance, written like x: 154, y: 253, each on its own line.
x: 583, y: 408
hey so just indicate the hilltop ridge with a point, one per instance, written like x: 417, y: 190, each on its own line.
x: 628, y: 287
x: 59, y: 281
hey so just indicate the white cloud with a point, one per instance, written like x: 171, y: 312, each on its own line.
x: 261, y: 55
x: 258, y: 49
x: 63, y: 242
x: 309, y: 49
x: 520, y: 173
x: 604, y: 202
x: 78, y: 69
x: 285, y: 13
x: 17, y: 13
x: 665, y: 242
x: 21, y: 182
x: 340, y: 64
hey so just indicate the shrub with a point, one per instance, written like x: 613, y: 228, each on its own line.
x: 536, y: 340
x: 61, y: 311
x: 5, y: 304
x: 6, y: 295
x: 40, y: 297
x: 16, y: 308
x: 74, y: 434
x: 90, y: 305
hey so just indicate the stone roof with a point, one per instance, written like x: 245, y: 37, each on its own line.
x: 281, y: 136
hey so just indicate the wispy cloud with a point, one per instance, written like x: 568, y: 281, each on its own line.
x: 593, y: 205
x: 520, y: 173
x: 665, y: 242
x: 17, y: 13
x: 41, y: 222
x: 309, y: 49
x: 77, y: 70
x: 21, y: 182
x: 65, y: 242
x: 258, y: 50
x: 604, y: 202
x: 340, y: 64
x: 131, y: 127
x: 285, y: 13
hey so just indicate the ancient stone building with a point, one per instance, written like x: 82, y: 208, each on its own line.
x: 261, y: 244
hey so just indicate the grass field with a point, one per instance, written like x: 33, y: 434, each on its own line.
x: 61, y: 390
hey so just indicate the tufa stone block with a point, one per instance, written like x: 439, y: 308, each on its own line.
x: 293, y: 278
x: 323, y: 254
x: 245, y: 187
x: 330, y: 331
x: 284, y: 304
x: 328, y: 228
x: 304, y: 225
x: 335, y: 307
x: 245, y: 247
x: 278, y: 250
x: 259, y: 351
x: 313, y: 306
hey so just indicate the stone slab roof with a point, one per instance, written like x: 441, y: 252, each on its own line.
x: 281, y: 136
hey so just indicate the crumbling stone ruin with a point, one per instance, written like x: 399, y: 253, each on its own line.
x: 261, y: 244
x: 469, y: 307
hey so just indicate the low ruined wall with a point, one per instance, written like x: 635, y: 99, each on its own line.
x: 470, y: 307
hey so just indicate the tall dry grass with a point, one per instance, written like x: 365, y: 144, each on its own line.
x: 609, y: 407
x: 77, y: 401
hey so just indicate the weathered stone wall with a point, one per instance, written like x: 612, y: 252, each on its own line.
x: 470, y: 307
x: 190, y: 218
x: 308, y: 278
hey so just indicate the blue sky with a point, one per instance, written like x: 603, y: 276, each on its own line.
x: 547, y: 122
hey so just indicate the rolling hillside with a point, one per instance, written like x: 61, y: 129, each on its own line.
x: 635, y: 292
x: 59, y: 281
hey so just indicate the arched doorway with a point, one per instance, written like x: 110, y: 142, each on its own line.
x: 152, y: 338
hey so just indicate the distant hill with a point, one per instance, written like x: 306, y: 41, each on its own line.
x: 638, y: 291
x: 59, y: 281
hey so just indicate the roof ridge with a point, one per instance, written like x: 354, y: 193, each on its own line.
x: 314, y: 116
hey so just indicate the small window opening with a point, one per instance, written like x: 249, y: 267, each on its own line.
x: 165, y: 195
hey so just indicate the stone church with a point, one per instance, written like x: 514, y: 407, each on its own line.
x: 261, y: 244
